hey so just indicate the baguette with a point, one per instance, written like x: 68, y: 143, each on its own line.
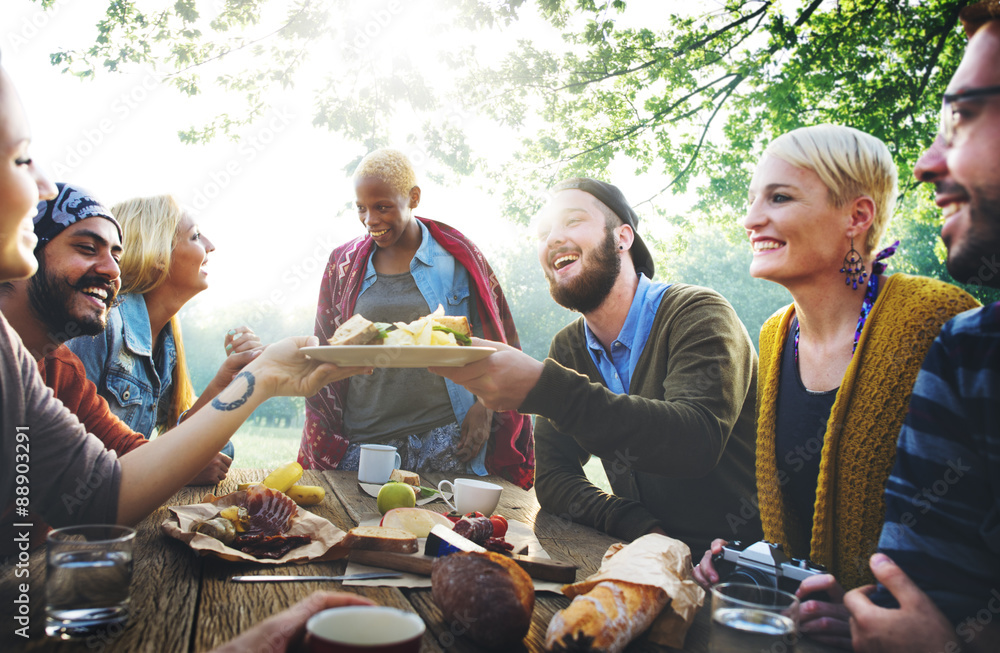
x: 606, y: 618
x: 380, y: 538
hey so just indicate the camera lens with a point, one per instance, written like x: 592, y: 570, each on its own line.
x: 752, y: 579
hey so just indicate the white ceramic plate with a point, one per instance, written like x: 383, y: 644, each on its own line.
x: 410, y: 356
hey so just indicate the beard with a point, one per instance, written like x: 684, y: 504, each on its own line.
x: 51, y: 298
x: 972, y: 259
x: 592, y: 286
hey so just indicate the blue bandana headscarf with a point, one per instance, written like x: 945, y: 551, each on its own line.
x: 72, y: 204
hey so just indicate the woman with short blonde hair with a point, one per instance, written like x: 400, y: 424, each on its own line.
x: 838, y: 364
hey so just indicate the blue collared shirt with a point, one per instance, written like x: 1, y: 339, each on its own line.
x: 617, y: 368
x: 442, y: 280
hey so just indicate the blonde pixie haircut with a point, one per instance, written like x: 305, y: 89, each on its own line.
x: 850, y: 162
x: 149, y: 226
x: 391, y: 166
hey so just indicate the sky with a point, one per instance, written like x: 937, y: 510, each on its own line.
x: 276, y: 202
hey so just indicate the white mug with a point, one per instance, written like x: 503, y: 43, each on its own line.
x: 372, y: 628
x: 377, y: 462
x: 472, y: 496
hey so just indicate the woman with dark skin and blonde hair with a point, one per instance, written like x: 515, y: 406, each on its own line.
x: 402, y: 268
x: 138, y: 363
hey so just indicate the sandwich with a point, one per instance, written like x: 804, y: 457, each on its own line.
x: 435, y: 329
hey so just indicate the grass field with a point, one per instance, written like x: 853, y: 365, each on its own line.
x: 261, y: 447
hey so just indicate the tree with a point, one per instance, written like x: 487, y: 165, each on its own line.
x: 699, y: 97
x: 695, y: 98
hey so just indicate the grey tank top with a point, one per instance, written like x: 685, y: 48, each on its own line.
x: 392, y: 403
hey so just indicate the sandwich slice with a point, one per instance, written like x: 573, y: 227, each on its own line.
x: 356, y: 331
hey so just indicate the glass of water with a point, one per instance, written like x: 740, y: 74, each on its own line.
x: 89, y: 569
x: 750, y: 618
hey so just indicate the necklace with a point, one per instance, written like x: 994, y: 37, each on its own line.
x: 871, y: 293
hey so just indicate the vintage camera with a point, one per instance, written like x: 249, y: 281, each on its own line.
x: 763, y: 564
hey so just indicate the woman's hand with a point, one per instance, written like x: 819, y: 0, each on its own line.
x: 241, y: 339
x: 242, y: 346
x: 704, y: 572
x: 824, y: 621
x: 476, y: 429
x: 285, y: 630
x: 283, y: 370
x: 215, y: 472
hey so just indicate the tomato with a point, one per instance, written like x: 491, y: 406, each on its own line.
x: 473, y: 515
x: 453, y: 516
x: 499, y: 526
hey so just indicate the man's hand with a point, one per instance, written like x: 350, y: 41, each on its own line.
x: 215, y: 472
x: 501, y: 380
x: 824, y: 621
x: 475, y: 432
x: 285, y: 630
x: 916, y: 626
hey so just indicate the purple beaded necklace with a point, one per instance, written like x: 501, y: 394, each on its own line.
x: 871, y: 293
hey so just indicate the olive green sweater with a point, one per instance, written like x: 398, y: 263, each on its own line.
x: 678, y: 449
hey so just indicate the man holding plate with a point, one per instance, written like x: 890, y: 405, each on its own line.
x: 657, y: 379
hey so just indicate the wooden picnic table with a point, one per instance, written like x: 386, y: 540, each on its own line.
x: 183, y: 602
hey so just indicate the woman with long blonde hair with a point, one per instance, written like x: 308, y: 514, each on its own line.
x: 138, y: 363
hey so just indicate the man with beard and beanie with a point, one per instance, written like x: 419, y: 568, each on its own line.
x: 79, y: 244
x: 657, y: 379
x: 938, y: 564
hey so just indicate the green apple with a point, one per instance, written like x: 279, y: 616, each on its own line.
x: 395, y: 495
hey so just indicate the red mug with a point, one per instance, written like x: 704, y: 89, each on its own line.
x: 364, y: 629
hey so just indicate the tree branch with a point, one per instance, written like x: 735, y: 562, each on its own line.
x: 241, y: 47
x: 730, y: 89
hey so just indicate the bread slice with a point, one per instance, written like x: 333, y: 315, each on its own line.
x: 380, y: 538
x: 403, y: 476
x: 458, y: 323
x: 355, y: 331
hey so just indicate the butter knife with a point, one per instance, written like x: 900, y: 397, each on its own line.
x: 291, y: 579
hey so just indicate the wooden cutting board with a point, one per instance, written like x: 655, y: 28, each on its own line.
x: 417, y: 563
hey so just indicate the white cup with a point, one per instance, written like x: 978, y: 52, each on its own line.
x: 369, y: 628
x: 377, y: 462
x: 472, y: 496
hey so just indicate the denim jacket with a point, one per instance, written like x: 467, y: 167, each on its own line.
x: 442, y: 280
x: 120, y: 363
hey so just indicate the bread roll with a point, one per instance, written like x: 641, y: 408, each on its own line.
x: 485, y: 595
x: 606, y: 618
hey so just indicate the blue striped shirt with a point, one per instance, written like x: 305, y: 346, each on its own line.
x: 943, y: 498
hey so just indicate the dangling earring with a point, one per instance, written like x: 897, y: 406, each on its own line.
x: 854, y: 267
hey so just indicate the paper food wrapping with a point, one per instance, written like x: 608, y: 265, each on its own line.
x: 659, y: 561
x: 182, y: 518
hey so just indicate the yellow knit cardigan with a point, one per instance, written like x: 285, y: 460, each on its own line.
x: 859, y: 446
